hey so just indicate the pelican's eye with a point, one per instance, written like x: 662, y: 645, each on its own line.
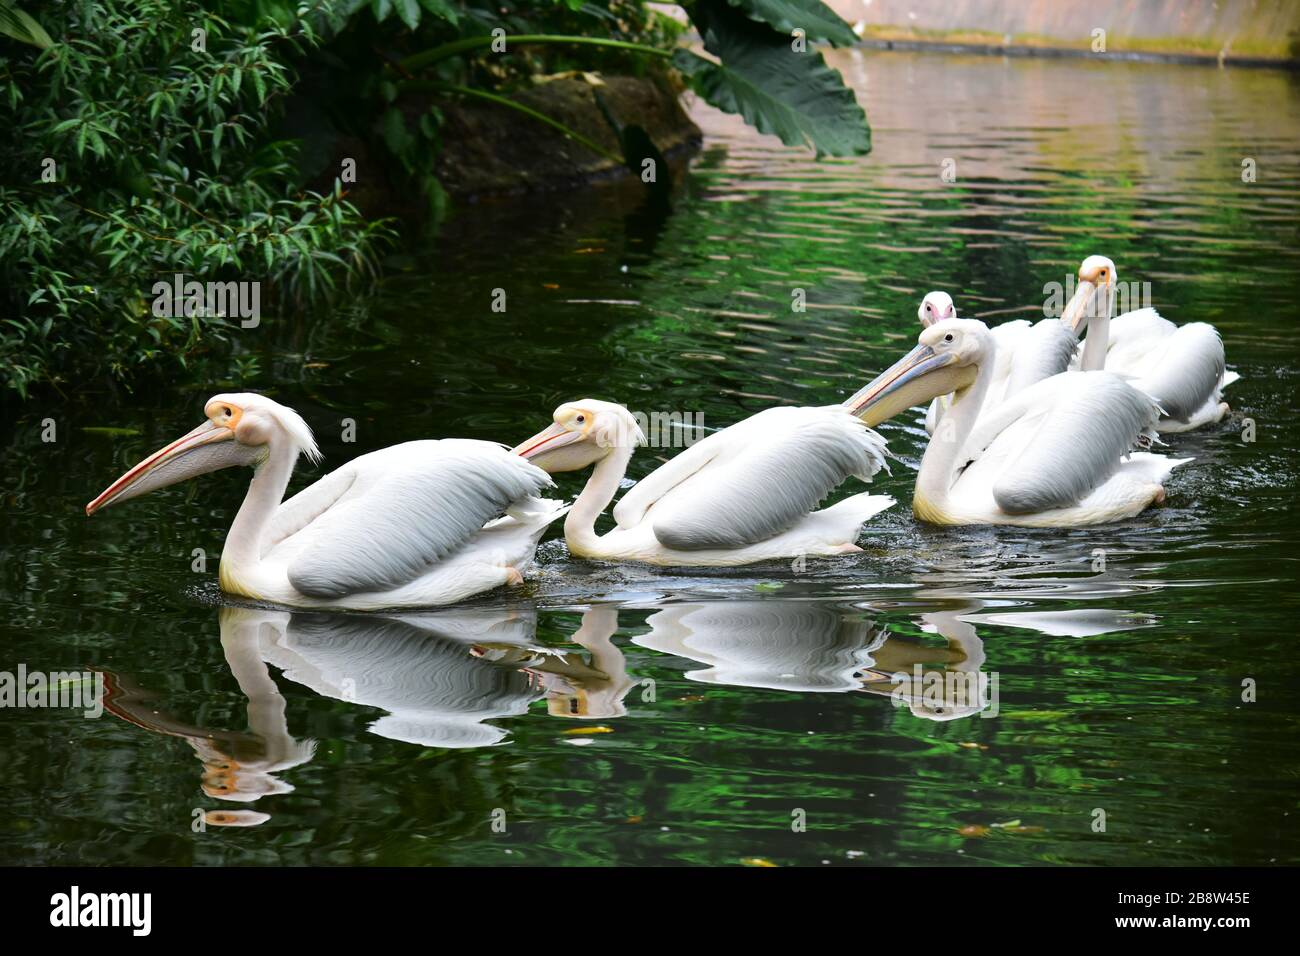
x: 225, y: 410
x: 581, y: 419
x: 928, y: 307
x: 948, y: 337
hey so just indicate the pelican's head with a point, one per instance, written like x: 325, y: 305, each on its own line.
x: 240, y: 429
x: 1093, y: 296
x: 946, y: 359
x: 935, y: 307
x: 584, y: 432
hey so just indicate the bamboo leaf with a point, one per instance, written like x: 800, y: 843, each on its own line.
x: 14, y: 23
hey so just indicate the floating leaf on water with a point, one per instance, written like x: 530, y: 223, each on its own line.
x: 1035, y: 714
x: 1009, y: 824
x: 633, y: 819
x: 972, y: 745
x: 588, y: 730
x: 769, y: 586
x: 692, y: 698
x: 756, y: 861
x: 974, y: 830
x: 109, y: 430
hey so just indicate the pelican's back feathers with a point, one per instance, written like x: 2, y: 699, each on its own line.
x: 1187, y: 372
x: 1060, y: 439
x: 763, y: 475
x: 405, y: 508
x: 1041, y: 352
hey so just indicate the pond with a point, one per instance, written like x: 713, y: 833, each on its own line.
x: 1136, y: 684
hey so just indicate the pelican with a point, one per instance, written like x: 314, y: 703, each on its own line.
x: 743, y: 494
x: 1182, y: 367
x: 1057, y: 454
x: 413, y: 525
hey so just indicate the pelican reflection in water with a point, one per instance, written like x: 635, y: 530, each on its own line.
x: 811, y: 647
x: 440, y: 676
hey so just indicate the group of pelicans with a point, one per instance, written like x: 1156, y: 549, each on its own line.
x: 1028, y: 427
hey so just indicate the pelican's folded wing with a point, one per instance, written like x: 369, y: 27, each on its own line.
x: 407, y: 507
x: 1070, y: 435
x: 1187, y: 372
x: 1045, y: 350
x: 768, y: 472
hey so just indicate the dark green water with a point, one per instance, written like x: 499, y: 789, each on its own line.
x: 696, y: 718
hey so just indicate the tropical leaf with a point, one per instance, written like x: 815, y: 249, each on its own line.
x: 441, y: 9
x: 814, y: 18
x: 14, y: 23
x: 794, y: 96
x: 409, y: 11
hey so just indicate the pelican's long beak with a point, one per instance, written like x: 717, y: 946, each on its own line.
x: 196, y: 453
x: 905, y: 384
x: 549, y: 439
x: 1084, y: 305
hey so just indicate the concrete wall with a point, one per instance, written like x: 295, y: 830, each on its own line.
x: 1233, y: 28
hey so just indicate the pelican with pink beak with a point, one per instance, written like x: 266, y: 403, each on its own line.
x: 417, y: 524
x: 747, y: 493
x: 1061, y: 453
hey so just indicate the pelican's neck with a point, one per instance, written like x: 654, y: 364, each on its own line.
x: 266, y: 706
x: 580, y: 525
x: 244, y: 543
x: 1097, y: 339
x: 943, y: 456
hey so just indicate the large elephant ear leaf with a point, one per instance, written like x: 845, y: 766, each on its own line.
x: 761, y: 78
x: 817, y: 21
x: 14, y: 23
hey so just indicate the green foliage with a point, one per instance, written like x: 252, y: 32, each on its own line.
x: 814, y: 18
x: 760, y: 75
x: 793, y: 95
x: 17, y: 24
x: 140, y: 150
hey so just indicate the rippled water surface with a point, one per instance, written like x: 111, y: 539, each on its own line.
x: 609, y: 714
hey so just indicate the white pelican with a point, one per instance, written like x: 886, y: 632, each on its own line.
x: 1182, y: 367
x: 1055, y: 455
x: 407, y: 526
x: 745, y: 493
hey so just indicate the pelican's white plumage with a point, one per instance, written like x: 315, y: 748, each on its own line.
x: 1057, y: 454
x: 1182, y: 366
x: 419, y: 524
x: 746, y: 493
